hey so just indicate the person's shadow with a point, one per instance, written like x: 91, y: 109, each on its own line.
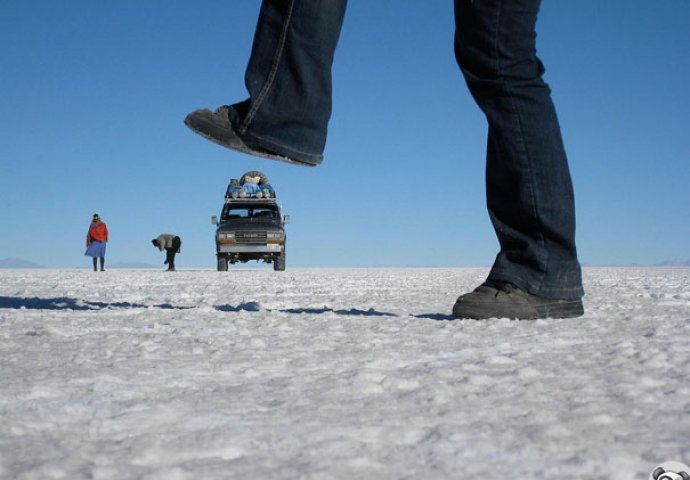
x: 66, y: 303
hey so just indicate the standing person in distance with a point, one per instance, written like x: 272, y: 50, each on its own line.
x: 96, y: 238
x: 171, y: 244
x: 536, y: 273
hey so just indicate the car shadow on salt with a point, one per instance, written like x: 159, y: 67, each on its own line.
x: 65, y: 303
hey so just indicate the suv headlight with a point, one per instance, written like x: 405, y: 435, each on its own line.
x: 275, y: 237
x: 226, y: 236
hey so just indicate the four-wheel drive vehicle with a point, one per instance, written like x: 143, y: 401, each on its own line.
x: 251, y: 224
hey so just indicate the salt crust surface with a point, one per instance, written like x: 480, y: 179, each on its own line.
x: 329, y: 374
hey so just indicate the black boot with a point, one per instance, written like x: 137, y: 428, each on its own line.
x: 496, y: 299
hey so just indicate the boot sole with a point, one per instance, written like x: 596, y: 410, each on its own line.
x: 483, y: 311
x: 227, y: 138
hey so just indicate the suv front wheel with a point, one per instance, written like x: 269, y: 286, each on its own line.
x: 279, y: 261
x: 222, y: 263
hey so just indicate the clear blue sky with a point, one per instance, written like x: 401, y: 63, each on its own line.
x: 93, y: 95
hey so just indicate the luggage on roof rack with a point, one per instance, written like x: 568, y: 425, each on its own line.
x: 253, y: 184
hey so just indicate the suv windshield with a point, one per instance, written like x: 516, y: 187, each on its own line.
x: 250, y: 212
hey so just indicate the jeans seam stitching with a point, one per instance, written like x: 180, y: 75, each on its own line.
x: 272, y: 74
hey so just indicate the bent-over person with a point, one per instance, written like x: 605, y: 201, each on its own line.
x: 171, y: 244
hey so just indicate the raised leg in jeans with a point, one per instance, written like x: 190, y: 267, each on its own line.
x: 288, y: 78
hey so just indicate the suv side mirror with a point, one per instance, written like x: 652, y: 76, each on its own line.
x: 286, y: 219
x: 214, y: 220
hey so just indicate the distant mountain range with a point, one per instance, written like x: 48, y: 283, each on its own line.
x: 674, y: 263
x: 131, y: 265
x: 18, y: 263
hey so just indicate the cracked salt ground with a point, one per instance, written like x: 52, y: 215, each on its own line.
x: 335, y: 374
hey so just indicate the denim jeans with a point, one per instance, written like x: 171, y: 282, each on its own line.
x: 289, y: 78
x: 529, y: 190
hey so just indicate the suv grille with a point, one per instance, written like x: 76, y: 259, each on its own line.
x: 250, y: 237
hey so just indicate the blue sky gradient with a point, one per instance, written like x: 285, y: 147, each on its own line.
x: 94, y: 94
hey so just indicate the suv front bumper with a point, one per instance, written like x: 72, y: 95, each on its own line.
x: 239, y: 248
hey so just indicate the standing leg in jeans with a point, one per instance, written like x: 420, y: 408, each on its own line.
x: 528, y: 185
x: 289, y: 83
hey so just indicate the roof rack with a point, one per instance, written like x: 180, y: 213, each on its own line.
x: 250, y: 200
